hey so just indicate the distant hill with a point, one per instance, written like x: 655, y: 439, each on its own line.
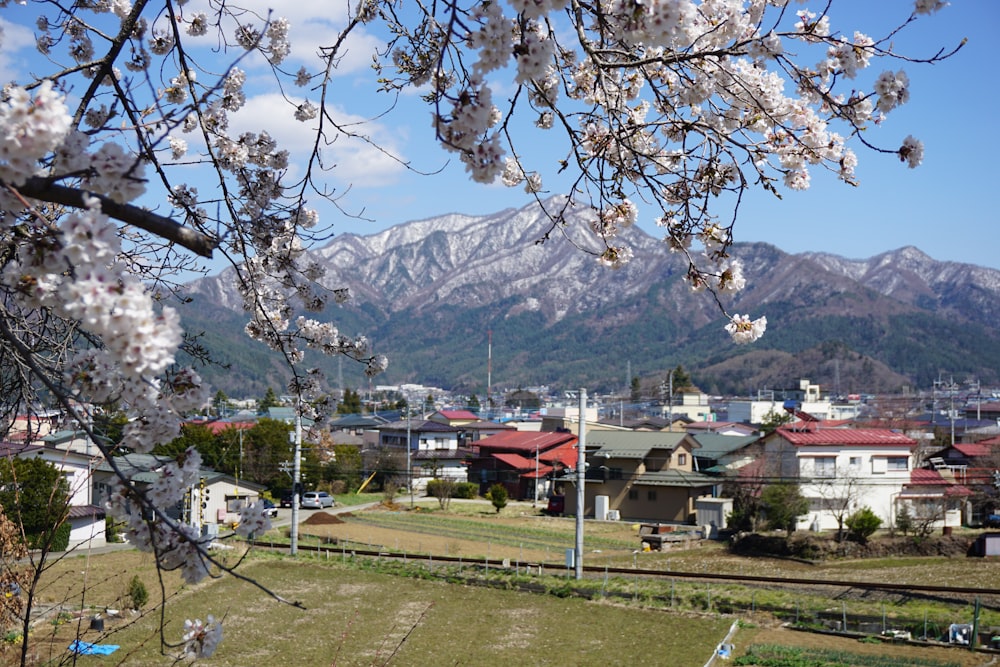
x: 428, y: 292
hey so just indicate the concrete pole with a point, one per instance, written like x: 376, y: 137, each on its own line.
x: 293, y: 533
x: 581, y: 476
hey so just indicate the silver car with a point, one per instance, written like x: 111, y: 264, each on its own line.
x: 316, y: 500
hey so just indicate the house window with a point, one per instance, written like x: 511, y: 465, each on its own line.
x: 825, y: 466
x: 633, y: 494
x: 682, y: 459
x: 898, y: 463
x: 651, y: 495
x: 855, y: 463
x: 615, y: 473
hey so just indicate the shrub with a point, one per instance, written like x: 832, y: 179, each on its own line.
x: 443, y: 490
x: 137, y: 593
x: 863, y: 524
x: 904, y: 521
x: 498, y: 496
x: 112, y: 531
x: 58, y: 540
x: 466, y: 490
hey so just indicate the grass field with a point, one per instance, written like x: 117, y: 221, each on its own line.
x: 359, y: 613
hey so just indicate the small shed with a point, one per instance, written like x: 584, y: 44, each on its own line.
x: 712, y: 514
x: 987, y: 545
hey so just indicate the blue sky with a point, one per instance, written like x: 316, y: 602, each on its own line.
x: 946, y: 207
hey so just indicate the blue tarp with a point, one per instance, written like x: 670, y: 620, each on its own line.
x: 86, y: 648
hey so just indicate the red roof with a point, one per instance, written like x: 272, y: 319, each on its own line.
x: 515, y: 461
x: 543, y: 471
x: 458, y: 414
x: 563, y: 454
x: 927, y: 477
x: 524, y: 441
x: 876, y: 437
x: 973, y: 449
x: 217, y: 427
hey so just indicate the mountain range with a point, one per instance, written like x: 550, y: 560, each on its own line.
x: 511, y: 298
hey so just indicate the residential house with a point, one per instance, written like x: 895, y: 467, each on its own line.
x: 645, y: 423
x: 691, y: 404
x: 75, y: 455
x: 434, y: 450
x: 86, y: 519
x: 806, y: 397
x: 481, y: 428
x: 933, y: 500
x: 640, y: 475
x: 31, y: 427
x: 716, y: 454
x: 525, y: 462
x: 841, y: 468
x: 567, y: 418
x: 721, y: 428
x: 454, y: 417
x: 972, y: 467
x: 211, y: 505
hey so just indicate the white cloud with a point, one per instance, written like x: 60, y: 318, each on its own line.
x: 310, y: 28
x: 352, y: 161
x: 13, y: 39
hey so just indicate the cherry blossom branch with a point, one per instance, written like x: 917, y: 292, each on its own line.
x: 45, y: 189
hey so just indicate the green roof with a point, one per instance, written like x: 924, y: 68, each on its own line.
x: 631, y: 444
x: 715, y: 445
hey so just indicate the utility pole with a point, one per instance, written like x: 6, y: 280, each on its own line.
x: 581, y: 475
x: 293, y: 533
x: 534, y: 499
x: 409, y: 465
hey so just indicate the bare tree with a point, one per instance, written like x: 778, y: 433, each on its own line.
x: 841, y: 497
x: 443, y: 489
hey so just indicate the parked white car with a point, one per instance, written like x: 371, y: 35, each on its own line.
x: 316, y: 500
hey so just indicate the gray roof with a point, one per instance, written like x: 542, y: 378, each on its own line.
x: 358, y: 421
x: 143, y: 467
x: 676, y: 478
x: 421, y: 426
x: 631, y: 444
x: 132, y: 464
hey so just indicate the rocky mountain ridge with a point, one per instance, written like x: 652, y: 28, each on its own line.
x: 427, y: 292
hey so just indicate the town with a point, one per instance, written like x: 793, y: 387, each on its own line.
x: 926, y: 463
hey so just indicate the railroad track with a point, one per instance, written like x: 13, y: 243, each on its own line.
x: 959, y: 592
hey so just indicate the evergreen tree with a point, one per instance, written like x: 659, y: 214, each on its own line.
x: 783, y: 503
x: 350, y: 404
x: 269, y: 401
x: 35, y: 496
x: 220, y: 402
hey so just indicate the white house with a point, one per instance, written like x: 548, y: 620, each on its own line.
x: 211, y: 505
x: 85, y: 518
x: 806, y: 399
x: 434, y: 450
x: 840, y: 470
